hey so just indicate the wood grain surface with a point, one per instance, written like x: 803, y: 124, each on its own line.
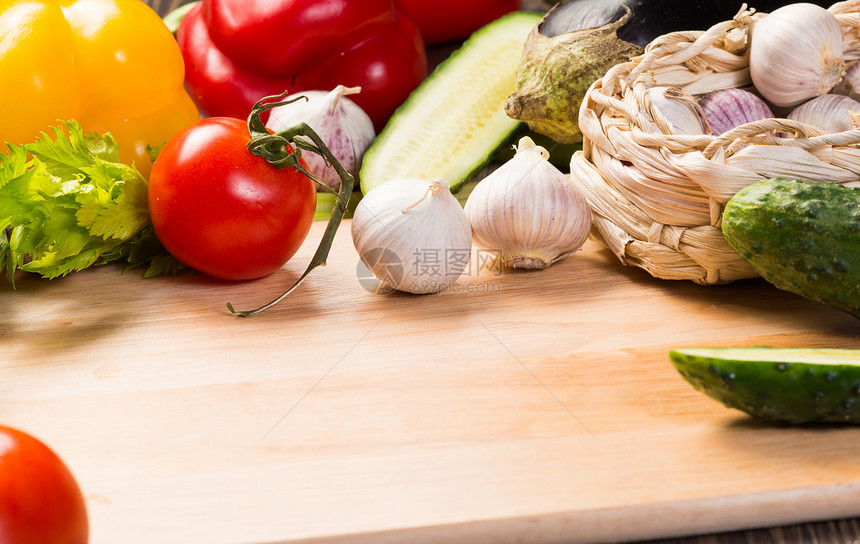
x: 524, y: 407
x: 517, y: 407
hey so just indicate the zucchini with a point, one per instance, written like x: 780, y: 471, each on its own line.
x: 794, y: 385
x: 451, y: 125
x: 803, y: 237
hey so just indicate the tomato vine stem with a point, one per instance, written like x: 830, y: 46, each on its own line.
x: 283, y: 149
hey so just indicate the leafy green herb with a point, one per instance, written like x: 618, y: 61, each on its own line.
x: 67, y: 203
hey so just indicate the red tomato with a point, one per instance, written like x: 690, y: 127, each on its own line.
x: 223, y: 211
x: 450, y: 20
x: 40, y: 501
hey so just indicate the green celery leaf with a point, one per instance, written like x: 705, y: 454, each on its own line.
x: 25, y: 239
x: 154, y: 151
x: 65, y: 156
x: 13, y: 258
x: 72, y: 205
x: 19, y: 195
x: 4, y: 248
x: 145, y: 250
x: 104, y: 147
x: 163, y: 264
x: 51, y: 266
x: 68, y: 238
x: 90, y: 202
x: 13, y: 164
x: 127, y: 214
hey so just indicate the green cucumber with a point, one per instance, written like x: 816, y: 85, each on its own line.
x: 794, y: 385
x: 173, y: 19
x: 326, y: 202
x: 451, y: 125
x: 802, y: 237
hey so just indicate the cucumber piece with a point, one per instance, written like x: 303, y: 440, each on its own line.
x: 452, y: 123
x: 803, y: 237
x: 173, y: 19
x: 326, y: 202
x: 794, y: 385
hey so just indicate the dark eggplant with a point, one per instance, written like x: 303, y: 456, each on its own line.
x: 579, y: 40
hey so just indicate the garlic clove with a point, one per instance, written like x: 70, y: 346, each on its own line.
x: 829, y: 112
x: 729, y: 108
x: 413, y: 235
x: 528, y: 212
x: 669, y: 110
x: 341, y: 123
x: 796, y: 54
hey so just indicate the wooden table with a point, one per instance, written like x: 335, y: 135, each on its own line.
x: 524, y: 407
x: 518, y: 407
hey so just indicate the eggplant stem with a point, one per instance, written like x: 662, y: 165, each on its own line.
x: 283, y: 150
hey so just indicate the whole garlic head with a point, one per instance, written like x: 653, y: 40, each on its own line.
x: 412, y: 235
x: 528, y: 211
x: 796, y: 54
x: 341, y: 123
x: 830, y: 112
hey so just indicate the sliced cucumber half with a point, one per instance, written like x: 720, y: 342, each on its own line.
x: 452, y: 123
x: 795, y: 385
x: 326, y: 202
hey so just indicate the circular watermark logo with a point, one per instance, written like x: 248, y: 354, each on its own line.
x: 389, y: 267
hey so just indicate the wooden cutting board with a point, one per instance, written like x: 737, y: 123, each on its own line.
x: 518, y: 407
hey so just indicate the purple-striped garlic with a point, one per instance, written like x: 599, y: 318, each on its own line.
x: 341, y: 123
x: 829, y: 112
x: 729, y: 108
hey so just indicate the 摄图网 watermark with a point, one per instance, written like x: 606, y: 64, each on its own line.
x: 433, y: 270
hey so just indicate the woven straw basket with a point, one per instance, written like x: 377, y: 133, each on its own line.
x: 658, y: 198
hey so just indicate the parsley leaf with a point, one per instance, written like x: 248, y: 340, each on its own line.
x: 67, y: 203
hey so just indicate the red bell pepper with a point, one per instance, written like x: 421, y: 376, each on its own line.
x: 237, y: 51
x: 452, y: 20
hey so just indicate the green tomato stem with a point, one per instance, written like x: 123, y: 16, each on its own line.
x: 283, y: 150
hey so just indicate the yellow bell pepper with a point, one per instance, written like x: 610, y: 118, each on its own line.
x: 111, y: 65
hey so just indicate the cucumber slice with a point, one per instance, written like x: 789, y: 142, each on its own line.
x: 795, y: 385
x: 326, y: 202
x: 452, y: 123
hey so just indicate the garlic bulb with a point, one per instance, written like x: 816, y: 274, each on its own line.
x: 796, y: 54
x: 729, y: 108
x: 851, y: 83
x: 528, y: 211
x: 678, y: 108
x: 830, y: 112
x: 412, y: 235
x: 344, y: 127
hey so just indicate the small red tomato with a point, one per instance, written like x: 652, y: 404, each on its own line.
x: 40, y: 501
x: 223, y: 211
